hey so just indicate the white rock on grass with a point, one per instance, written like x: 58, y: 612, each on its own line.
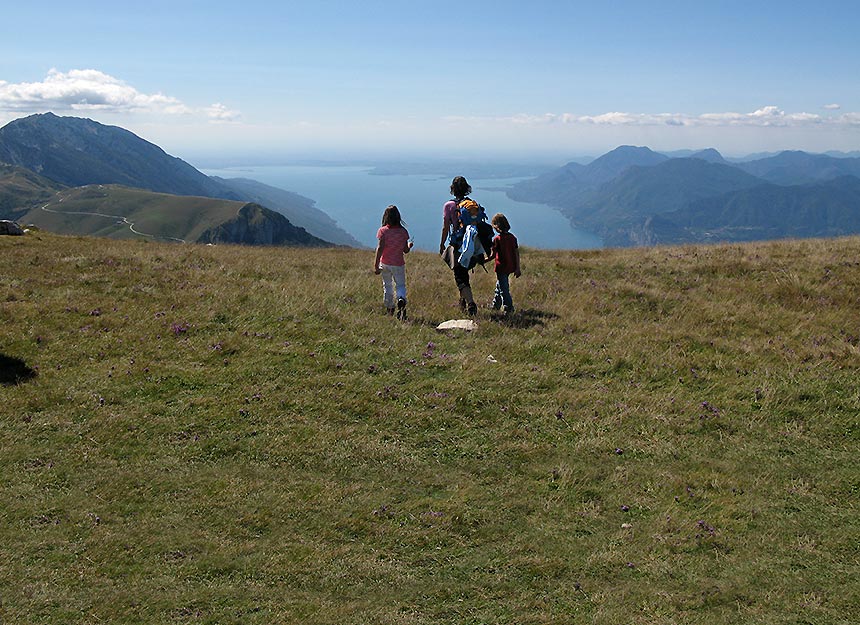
x: 458, y: 324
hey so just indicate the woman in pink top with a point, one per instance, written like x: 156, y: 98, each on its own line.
x: 394, y: 242
x: 451, y: 239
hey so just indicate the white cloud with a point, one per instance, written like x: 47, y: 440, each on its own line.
x: 832, y: 107
x: 767, y: 116
x: 91, y: 90
x: 221, y: 114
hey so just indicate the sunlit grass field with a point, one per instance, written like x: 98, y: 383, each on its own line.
x: 100, y: 209
x: 196, y: 434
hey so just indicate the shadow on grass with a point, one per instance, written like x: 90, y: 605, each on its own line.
x: 521, y: 319
x: 422, y: 321
x: 14, y: 371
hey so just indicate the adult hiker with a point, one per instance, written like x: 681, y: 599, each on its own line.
x: 452, y: 237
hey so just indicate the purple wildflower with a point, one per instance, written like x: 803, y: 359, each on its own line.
x: 706, y: 528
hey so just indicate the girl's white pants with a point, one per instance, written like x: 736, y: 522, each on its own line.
x: 393, y: 283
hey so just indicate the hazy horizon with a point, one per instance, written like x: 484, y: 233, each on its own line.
x: 214, y: 160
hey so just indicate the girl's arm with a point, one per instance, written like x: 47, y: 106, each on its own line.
x: 492, y: 252
x: 446, y: 226
x: 517, y: 271
x: 376, y: 268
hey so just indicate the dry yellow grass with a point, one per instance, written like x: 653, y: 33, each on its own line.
x: 225, y: 434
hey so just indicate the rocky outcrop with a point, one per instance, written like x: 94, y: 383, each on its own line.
x: 298, y: 209
x: 10, y: 228
x: 257, y: 225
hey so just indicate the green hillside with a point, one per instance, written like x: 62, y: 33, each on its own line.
x: 21, y: 189
x: 238, y: 435
x: 77, y: 152
x: 123, y: 213
x: 99, y: 210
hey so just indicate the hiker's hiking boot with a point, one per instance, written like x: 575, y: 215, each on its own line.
x: 467, y: 302
x: 508, y: 311
x: 389, y: 311
x: 401, y: 309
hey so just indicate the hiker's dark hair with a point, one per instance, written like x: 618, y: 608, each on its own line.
x: 460, y: 188
x: 391, y: 217
x: 501, y: 222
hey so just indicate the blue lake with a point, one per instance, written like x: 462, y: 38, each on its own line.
x: 356, y: 198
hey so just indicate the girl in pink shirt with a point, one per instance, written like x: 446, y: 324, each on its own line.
x: 394, y: 242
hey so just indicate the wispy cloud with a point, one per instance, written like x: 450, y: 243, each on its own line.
x: 92, y: 90
x: 832, y: 107
x: 218, y: 113
x: 768, y: 116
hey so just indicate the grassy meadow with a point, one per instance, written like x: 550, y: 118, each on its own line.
x: 99, y: 209
x: 196, y: 434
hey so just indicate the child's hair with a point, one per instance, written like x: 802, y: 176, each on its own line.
x: 500, y: 222
x: 391, y: 217
x: 460, y: 188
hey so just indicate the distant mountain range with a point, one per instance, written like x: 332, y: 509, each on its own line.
x: 70, y: 152
x: 635, y: 196
x: 75, y: 175
x: 791, y: 168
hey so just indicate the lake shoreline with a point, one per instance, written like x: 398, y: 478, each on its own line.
x: 355, y: 197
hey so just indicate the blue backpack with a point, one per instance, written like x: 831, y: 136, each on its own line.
x: 485, y: 230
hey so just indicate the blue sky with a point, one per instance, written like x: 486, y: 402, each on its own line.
x: 329, y: 78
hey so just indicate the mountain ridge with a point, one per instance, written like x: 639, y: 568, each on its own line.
x: 652, y: 195
x: 74, y: 151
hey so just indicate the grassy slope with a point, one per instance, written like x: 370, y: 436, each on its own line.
x: 156, y: 214
x: 20, y: 188
x: 225, y: 434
